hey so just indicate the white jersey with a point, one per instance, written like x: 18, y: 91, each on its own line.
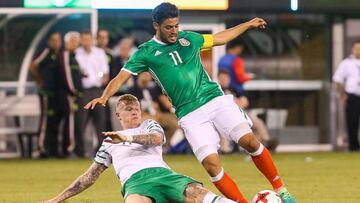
x: 129, y: 158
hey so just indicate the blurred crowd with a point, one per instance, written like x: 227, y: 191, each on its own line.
x: 76, y: 67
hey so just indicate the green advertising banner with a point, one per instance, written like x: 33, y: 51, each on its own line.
x: 127, y: 4
x: 57, y: 3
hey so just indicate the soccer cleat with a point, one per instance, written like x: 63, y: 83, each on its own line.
x: 286, y: 197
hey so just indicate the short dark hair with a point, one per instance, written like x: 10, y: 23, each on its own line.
x: 164, y: 11
x: 53, y: 33
x: 356, y: 41
x: 101, y: 30
x: 86, y: 32
x: 234, y: 43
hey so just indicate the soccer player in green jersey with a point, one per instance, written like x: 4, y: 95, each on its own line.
x: 173, y: 59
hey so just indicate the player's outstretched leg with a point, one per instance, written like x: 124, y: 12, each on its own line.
x: 197, y: 193
x: 221, y: 179
x: 263, y: 161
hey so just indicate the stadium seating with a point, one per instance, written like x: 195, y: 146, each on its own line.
x: 19, y: 110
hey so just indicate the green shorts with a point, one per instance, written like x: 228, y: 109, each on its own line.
x: 162, y: 185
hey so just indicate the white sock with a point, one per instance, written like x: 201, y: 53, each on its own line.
x: 218, y: 176
x: 258, y: 151
x: 213, y: 198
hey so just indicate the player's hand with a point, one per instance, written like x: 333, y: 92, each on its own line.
x: 344, y: 98
x: 94, y: 102
x: 116, y: 138
x: 257, y: 23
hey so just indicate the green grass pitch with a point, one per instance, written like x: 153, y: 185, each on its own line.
x: 311, y: 177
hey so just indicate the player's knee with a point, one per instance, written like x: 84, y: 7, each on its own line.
x: 212, y: 164
x: 249, y: 142
x: 239, y: 131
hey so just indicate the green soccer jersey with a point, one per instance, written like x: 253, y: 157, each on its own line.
x: 178, y: 70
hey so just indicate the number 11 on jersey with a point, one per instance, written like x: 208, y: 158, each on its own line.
x: 178, y: 60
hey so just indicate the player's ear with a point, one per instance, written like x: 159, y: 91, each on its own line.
x: 156, y: 26
x: 118, y: 115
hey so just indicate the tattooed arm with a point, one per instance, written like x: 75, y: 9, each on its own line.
x: 149, y: 139
x: 80, y: 184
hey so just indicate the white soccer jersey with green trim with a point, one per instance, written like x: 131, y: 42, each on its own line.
x: 129, y: 158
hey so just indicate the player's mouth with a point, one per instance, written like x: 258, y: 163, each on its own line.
x: 172, y: 38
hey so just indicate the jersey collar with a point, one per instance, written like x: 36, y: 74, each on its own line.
x: 158, y: 41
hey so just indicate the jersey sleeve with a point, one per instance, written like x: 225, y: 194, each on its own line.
x: 136, y: 63
x: 196, y: 38
x: 203, y: 41
x: 41, y: 56
x: 103, y: 156
x: 153, y: 126
x: 340, y: 73
x: 208, y: 41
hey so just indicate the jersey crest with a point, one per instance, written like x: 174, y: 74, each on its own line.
x: 184, y: 42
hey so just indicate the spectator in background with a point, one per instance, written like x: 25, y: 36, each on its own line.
x: 46, y: 70
x: 242, y: 101
x: 74, y: 92
x: 95, y: 70
x: 347, y: 79
x: 155, y: 105
x: 144, y: 91
x: 125, y: 48
x: 235, y: 66
x: 103, y: 43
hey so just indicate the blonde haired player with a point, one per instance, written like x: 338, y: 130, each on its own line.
x: 136, y: 155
